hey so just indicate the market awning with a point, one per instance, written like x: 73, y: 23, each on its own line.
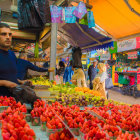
x: 84, y: 37
x: 116, y: 18
x: 120, y: 18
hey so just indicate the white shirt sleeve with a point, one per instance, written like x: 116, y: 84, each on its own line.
x: 103, y: 77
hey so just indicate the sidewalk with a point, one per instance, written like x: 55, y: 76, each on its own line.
x: 116, y: 95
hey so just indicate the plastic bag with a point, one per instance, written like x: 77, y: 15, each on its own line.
x: 24, y: 94
x: 91, y: 21
x: 69, y: 17
x: 109, y: 83
x: 33, y: 14
x: 57, y: 79
x: 56, y: 14
x: 80, y: 10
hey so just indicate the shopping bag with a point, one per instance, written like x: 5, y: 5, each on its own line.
x: 91, y: 21
x: 80, y: 10
x: 57, y: 79
x: 24, y: 94
x: 69, y: 17
x: 56, y: 14
x: 109, y: 83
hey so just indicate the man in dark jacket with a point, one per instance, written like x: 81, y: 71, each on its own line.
x: 23, y: 65
x: 92, y: 71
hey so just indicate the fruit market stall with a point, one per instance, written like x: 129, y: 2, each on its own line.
x: 55, y: 121
x: 126, y: 68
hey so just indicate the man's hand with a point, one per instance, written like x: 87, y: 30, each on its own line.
x: 24, y: 81
x: 8, y: 84
x: 51, y: 70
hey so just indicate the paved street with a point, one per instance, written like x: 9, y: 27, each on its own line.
x: 115, y: 95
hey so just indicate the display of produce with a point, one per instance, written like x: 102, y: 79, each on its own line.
x: 110, y: 121
x: 62, y: 135
x: 115, y: 120
x: 71, y: 95
x: 14, y: 126
x: 7, y: 101
x: 38, y: 81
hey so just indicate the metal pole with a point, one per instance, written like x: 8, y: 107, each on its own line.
x: 54, y: 27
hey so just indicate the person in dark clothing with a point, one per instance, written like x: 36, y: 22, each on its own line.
x: 8, y: 69
x: 46, y: 65
x: 23, y: 65
x: 61, y: 69
x: 92, y: 71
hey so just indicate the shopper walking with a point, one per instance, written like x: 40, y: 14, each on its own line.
x: 68, y: 73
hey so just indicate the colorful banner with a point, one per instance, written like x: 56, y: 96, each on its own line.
x: 113, y: 49
x: 56, y: 14
x: 91, y: 21
x: 138, y: 42
x: 132, y: 55
x: 69, y: 17
x: 126, y: 45
x: 80, y: 10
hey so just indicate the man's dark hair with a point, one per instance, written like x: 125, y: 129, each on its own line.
x: 4, y: 25
x: 61, y: 64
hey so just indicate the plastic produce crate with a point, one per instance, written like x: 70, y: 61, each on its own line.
x: 43, y: 126
x: 2, y: 108
x: 75, y: 131
x: 51, y: 131
x: 35, y: 121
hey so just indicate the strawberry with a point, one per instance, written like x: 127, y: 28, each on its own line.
x: 30, y: 132
x: 12, y: 138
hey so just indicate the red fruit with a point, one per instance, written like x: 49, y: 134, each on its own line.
x: 53, y: 127
x: 6, y: 136
x: 15, y: 136
x: 51, y: 137
x: 22, y: 123
x: 75, y: 125
x: 17, y: 125
x: 56, y: 136
x: 49, y: 126
x: 62, y: 136
x: 21, y: 134
x: 60, y: 125
x: 12, y: 138
x: 10, y: 127
x: 25, y: 137
x: 98, y: 135
x: 43, y: 119
x: 30, y: 132
x: 30, y: 138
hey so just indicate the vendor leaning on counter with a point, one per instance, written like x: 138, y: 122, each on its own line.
x: 23, y: 65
